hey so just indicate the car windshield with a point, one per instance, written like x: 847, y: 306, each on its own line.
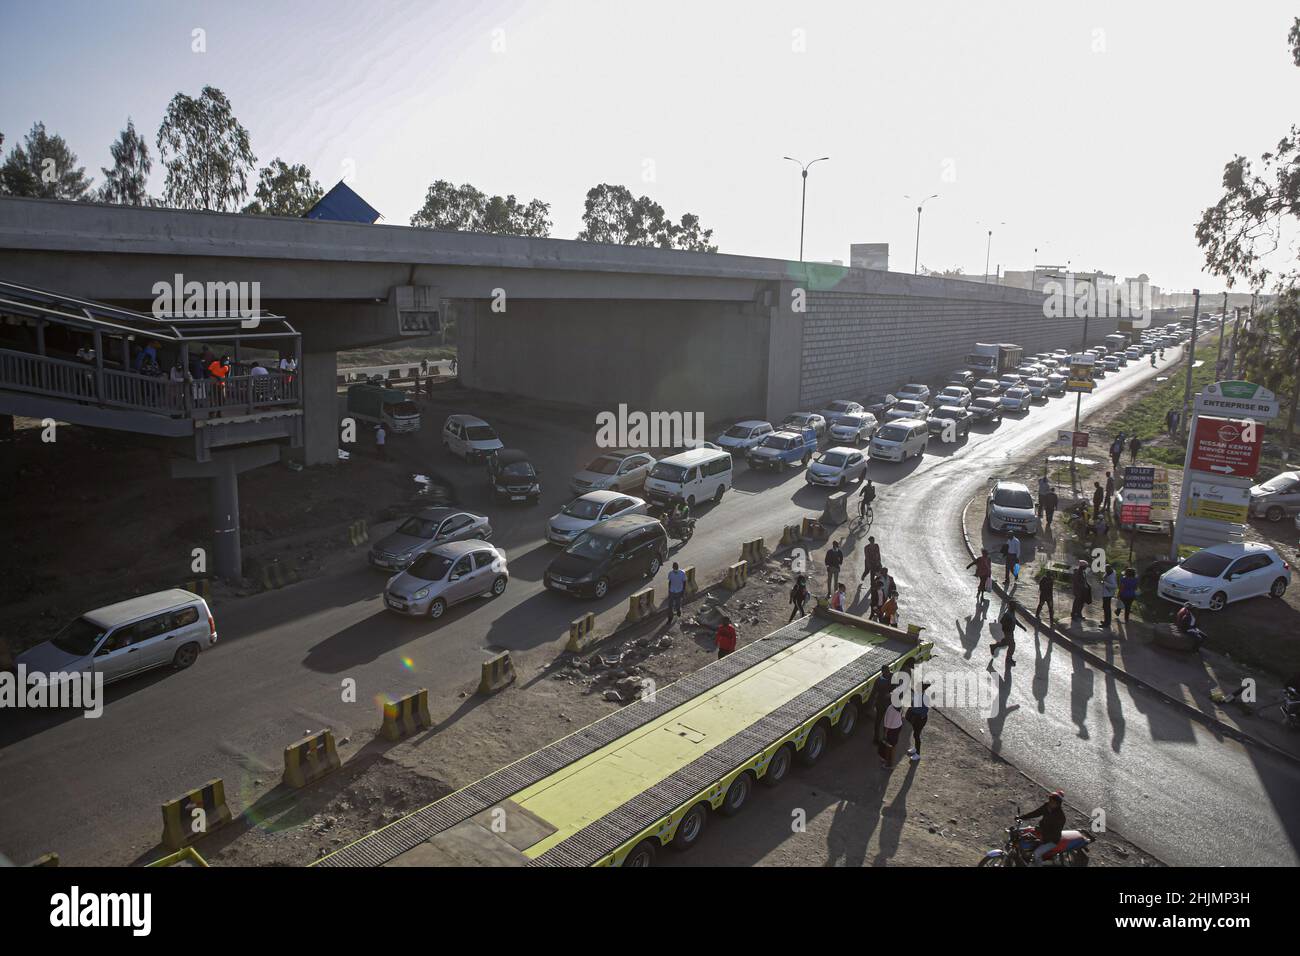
x: 582, y: 508
x: 418, y: 527
x: 666, y: 472
x: 1280, y: 483
x: 797, y: 420
x: 738, y: 431
x: 839, y: 406
x: 480, y: 433
x: 953, y: 392
x: 401, y: 408
x: 1206, y: 564
x: 518, y: 469
x: 832, y: 459
x: 1012, y: 498
x: 892, y: 433
x: 1040, y: 382
x: 604, y: 465
x: 430, y: 567
x: 1017, y: 392
x: 591, y: 546
x: 777, y: 441
x: 878, y: 400
x: 78, y: 638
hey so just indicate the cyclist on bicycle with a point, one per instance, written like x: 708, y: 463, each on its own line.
x: 865, y: 497
x: 983, y: 569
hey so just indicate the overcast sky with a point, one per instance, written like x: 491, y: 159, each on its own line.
x: 1096, y: 132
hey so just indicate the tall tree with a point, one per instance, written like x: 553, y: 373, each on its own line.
x: 467, y: 209
x: 127, y: 183
x: 43, y: 167
x: 284, y: 190
x: 206, y: 153
x: 612, y: 214
x: 1245, y: 227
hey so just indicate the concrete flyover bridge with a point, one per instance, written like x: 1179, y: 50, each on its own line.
x: 554, y: 319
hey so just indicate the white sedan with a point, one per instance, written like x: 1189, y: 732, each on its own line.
x: 1218, y: 575
x: 590, y: 509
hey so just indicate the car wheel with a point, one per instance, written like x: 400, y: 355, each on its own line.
x: 437, y: 608
x: 717, y: 495
x: 653, y: 567
x: 1219, y: 601
x: 602, y: 587
x: 691, y: 827
x: 499, y: 586
x: 1278, y: 588
x: 690, y: 501
x: 185, y: 655
x: 1274, y: 514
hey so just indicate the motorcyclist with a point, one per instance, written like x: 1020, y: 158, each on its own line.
x: 679, y: 515
x: 1050, y: 826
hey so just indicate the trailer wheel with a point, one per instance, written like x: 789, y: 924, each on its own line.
x: 643, y: 854
x: 737, y: 794
x: 779, y: 766
x: 815, y: 745
x: 848, y: 721
x: 691, y: 827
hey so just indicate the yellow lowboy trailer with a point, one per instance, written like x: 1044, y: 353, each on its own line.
x: 651, y: 774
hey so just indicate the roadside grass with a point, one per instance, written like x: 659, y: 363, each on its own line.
x: 383, y: 356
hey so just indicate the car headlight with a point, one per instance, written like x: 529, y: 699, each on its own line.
x: 420, y: 594
x: 1200, y: 590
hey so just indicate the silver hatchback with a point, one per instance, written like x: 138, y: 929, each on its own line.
x: 445, y: 575
x: 425, y: 530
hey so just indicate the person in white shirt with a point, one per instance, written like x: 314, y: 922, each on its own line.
x: 1013, y: 559
x: 381, y: 437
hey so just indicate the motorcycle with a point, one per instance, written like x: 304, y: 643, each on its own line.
x: 678, y: 529
x: 1022, y: 839
x: 1290, y: 708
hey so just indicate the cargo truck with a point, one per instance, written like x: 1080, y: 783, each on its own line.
x: 369, y: 402
x: 989, y: 360
x: 654, y: 773
x: 1117, y: 342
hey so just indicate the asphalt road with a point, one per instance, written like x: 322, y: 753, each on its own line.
x: 90, y: 789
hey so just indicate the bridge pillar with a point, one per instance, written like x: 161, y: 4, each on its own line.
x: 222, y: 472
x: 320, y: 407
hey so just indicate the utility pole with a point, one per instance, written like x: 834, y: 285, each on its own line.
x: 987, y: 250
x: 1078, y: 410
x: 1191, y: 360
x: 1223, y: 323
x: 1232, y: 357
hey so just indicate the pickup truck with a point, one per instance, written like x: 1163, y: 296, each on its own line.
x: 376, y: 404
x: 784, y: 448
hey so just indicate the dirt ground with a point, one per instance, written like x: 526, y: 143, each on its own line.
x: 945, y: 810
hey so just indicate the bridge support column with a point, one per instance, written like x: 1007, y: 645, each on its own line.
x: 222, y: 472
x: 320, y: 408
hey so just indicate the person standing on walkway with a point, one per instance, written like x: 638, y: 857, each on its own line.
x: 1044, y: 486
x: 1048, y: 500
x: 1109, y: 586
x: 871, y: 558
x: 1098, y: 497
x: 1008, y: 623
x: 1116, y: 450
x: 1046, y: 594
x: 676, y: 591
x: 917, y: 715
x: 725, y: 638
x: 889, y: 610
x: 1011, y: 561
x: 1110, y: 488
x: 880, y: 692
x: 834, y: 561
x: 838, y: 598
x: 1134, y: 446
x: 1128, y: 591
x: 798, y: 595
x: 1081, y: 589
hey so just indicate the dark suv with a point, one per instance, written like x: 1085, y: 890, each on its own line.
x: 512, y: 476
x: 613, y: 551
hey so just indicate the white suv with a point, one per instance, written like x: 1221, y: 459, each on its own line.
x: 743, y: 436
x: 470, y: 438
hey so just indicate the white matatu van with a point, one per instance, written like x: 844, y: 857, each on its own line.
x: 694, y: 476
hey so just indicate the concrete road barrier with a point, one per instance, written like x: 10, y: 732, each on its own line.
x: 46, y: 859
x: 186, y: 856
x: 791, y: 534
x: 737, y: 575
x: 498, y: 673
x: 195, y: 814
x: 837, y: 508
x: 276, y: 575
x: 640, y: 605
x: 753, y: 552
x: 310, y: 759
x: 691, y: 586
x: 812, y: 528
x: 405, y: 715
x: 358, y: 533
x: 582, y: 633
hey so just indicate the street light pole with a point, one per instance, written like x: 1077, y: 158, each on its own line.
x: 803, y: 201
x: 987, y: 249
x: 916, y: 259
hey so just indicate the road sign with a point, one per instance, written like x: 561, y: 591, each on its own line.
x: 1074, y: 439
x: 1237, y: 400
x: 1080, y: 379
x: 1221, y: 446
x: 1139, y: 483
x: 1211, y: 501
x: 1161, y: 508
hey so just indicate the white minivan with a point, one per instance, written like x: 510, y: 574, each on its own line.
x: 693, y: 476
x: 470, y: 438
x: 899, y: 440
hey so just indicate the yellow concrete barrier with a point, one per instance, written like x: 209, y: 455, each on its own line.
x: 188, y: 856
x: 498, y: 673
x: 358, y: 533
x: 691, y: 585
x: 405, y: 715
x: 310, y: 759
x: 582, y: 633
x: 737, y: 575
x: 640, y: 605
x: 791, y: 534
x: 837, y: 508
x: 47, y: 859
x: 753, y: 552
x: 276, y: 575
x: 812, y: 528
x: 195, y: 814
